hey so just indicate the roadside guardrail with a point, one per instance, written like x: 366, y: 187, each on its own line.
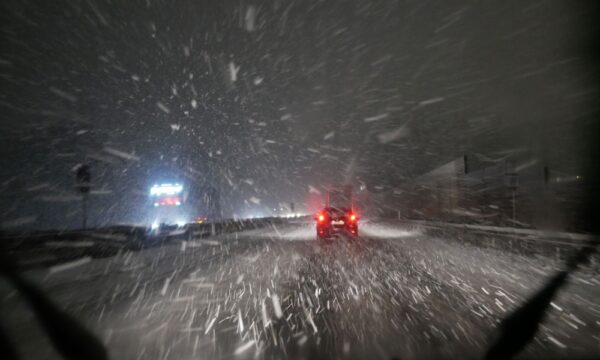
x: 524, y: 241
x: 47, y: 248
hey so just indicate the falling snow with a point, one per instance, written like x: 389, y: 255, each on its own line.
x: 460, y: 130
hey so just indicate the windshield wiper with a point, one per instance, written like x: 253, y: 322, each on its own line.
x: 519, y: 328
x: 69, y: 338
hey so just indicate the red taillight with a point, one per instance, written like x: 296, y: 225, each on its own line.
x: 352, y: 217
x: 321, y: 217
x: 170, y: 201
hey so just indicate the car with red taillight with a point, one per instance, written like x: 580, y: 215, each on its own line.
x: 332, y: 221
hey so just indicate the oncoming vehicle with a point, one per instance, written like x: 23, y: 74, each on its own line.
x: 332, y: 221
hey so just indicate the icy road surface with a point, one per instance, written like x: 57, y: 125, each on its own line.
x: 278, y: 293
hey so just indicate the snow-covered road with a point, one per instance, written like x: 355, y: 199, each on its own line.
x: 279, y: 293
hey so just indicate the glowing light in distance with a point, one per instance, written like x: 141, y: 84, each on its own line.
x: 165, y: 189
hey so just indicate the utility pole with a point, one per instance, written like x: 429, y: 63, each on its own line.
x: 545, y: 195
x: 84, y: 179
x: 511, y: 178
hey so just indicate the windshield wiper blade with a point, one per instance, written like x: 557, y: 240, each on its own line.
x: 519, y: 328
x: 7, y: 348
x: 70, y: 338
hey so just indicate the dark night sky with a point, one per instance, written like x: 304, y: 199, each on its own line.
x: 263, y: 98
